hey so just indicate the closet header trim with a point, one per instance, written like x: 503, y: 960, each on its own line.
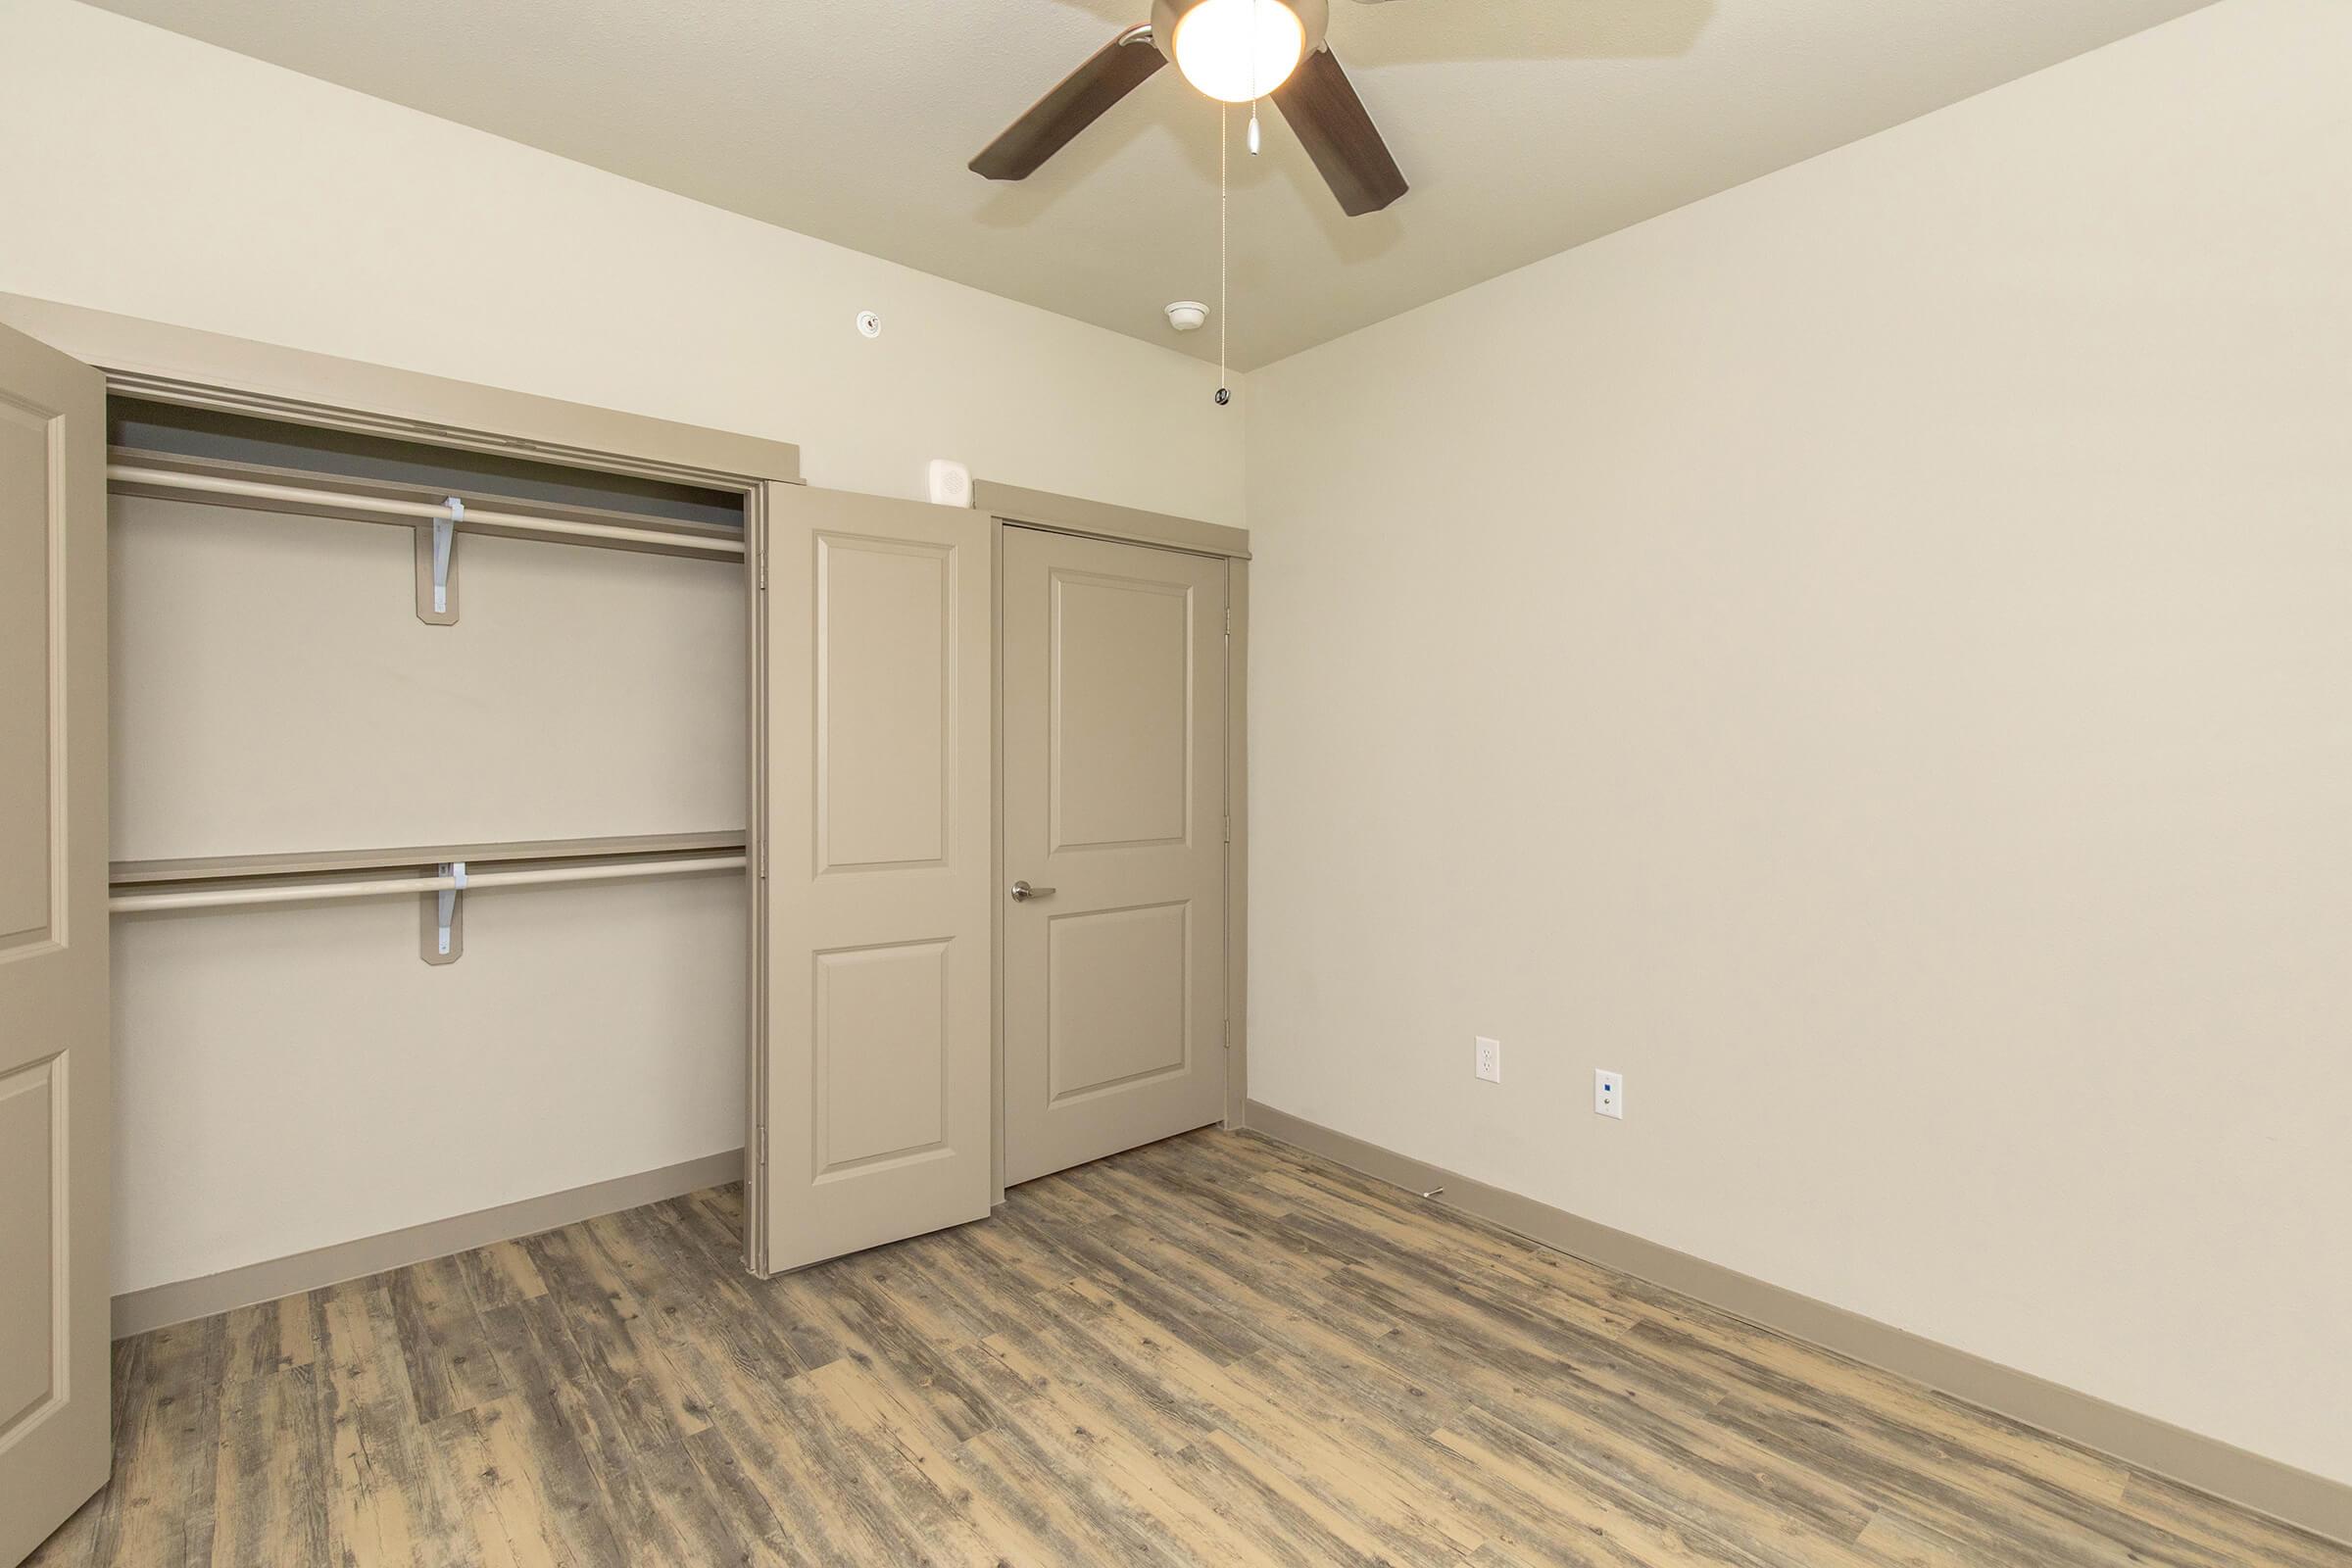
x: 168, y: 364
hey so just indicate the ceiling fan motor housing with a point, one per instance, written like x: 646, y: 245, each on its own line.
x: 1314, y: 19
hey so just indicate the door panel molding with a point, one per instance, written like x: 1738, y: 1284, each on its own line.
x: 879, y: 646
x: 880, y: 1095
x: 1104, y: 698
x: 1163, y: 1012
x: 34, y: 1344
x: 31, y: 710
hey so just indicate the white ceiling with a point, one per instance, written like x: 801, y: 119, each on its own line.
x: 1525, y: 125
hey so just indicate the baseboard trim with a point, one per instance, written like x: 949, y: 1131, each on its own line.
x: 2293, y: 1496
x: 161, y: 1306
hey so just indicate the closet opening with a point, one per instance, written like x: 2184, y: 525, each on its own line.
x: 431, y: 778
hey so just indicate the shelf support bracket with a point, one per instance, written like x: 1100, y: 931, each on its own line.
x: 436, y: 592
x: 444, y: 918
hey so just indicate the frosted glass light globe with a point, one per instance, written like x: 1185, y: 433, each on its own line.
x: 1238, y: 49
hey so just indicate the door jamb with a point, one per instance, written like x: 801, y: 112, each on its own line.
x: 1009, y: 506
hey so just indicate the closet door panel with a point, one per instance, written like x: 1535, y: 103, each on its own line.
x: 876, y: 1024
x: 275, y: 691
x: 55, y: 1121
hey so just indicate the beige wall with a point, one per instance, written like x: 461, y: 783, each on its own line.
x: 1868, y: 655
x: 183, y: 183
x: 294, y: 1079
x: 273, y: 689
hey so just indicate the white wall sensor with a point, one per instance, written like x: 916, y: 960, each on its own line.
x: 951, y: 483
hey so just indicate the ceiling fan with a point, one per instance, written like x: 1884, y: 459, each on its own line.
x: 1232, y: 50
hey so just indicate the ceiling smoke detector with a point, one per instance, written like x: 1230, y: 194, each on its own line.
x: 1188, y: 316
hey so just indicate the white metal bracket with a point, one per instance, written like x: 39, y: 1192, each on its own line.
x: 447, y: 936
x: 443, y: 529
x: 436, y: 590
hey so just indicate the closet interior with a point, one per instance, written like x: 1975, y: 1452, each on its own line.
x: 430, y: 790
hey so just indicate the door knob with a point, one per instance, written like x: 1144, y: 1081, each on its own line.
x: 1023, y: 892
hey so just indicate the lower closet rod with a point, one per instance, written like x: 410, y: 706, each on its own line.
x: 225, y: 898
x: 216, y: 485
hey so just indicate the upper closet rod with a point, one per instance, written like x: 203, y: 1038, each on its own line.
x: 298, y: 893
x: 347, y: 500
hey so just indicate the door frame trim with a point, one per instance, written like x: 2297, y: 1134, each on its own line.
x: 162, y: 361
x: 1099, y: 519
x: 1039, y: 511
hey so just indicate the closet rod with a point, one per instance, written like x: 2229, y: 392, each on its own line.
x: 218, y: 484
x: 128, y: 874
x: 293, y: 892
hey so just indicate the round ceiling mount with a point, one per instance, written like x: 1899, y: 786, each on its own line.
x: 1238, y: 49
x: 1188, y: 316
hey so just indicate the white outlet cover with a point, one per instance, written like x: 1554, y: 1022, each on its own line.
x: 1609, y: 1092
x: 1490, y: 1059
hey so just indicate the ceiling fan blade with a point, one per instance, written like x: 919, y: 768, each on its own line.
x: 1321, y: 105
x: 1077, y: 102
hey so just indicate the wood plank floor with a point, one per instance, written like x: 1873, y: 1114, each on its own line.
x: 1214, y: 1351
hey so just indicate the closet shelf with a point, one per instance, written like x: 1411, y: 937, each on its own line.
x: 217, y: 482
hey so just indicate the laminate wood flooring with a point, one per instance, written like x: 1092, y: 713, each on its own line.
x: 1216, y: 1350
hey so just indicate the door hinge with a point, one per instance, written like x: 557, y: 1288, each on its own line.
x: 763, y: 1147
x: 1229, y: 827
x: 1228, y: 620
x: 763, y: 568
x: 764, y: 858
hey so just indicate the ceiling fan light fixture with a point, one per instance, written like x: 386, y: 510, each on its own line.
x: 1238, y: 50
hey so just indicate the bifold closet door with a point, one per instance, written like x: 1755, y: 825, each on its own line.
x: 877, y: 832
x: 54, y: 1123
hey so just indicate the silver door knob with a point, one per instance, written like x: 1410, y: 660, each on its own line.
x: 1023, y: 892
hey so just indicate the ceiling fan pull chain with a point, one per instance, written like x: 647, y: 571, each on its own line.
x: 1224, y: 332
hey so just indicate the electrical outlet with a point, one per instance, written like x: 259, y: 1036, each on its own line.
x: 1609, y: 1092
x: 1490, y: 1059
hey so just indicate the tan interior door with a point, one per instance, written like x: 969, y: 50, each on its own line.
x: 878, y: 891
x: 54, y: 1330
x: 1114, y: 800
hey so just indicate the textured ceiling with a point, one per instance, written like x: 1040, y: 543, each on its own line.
x: 1525, y: 125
